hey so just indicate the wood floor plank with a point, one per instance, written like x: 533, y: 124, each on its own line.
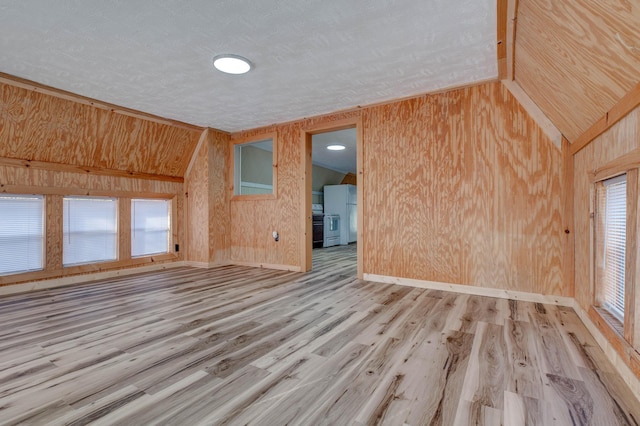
x: 239, y: 345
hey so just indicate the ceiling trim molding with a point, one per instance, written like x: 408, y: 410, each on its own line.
x: 624, y: 106
x: 69, y: 96
x: 99, y: 171
x: 535, y: 112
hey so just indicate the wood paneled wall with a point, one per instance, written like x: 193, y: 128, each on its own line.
x: 619, y: 140
x: 253, y: 221
x: 55, y: 184
x: 207, y: 188
x: 35, y: 126
x: 463, y: 187
x: 576, y: 59
x: 460, y: 187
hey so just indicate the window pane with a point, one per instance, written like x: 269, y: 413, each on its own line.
x: 150, y: 227
x: 615, y: 229
x: 90, y: 230
x: 21, y: 233
x: 253, y: 168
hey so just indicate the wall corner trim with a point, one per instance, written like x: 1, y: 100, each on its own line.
x: 194, y: 154
x: 535, y: 112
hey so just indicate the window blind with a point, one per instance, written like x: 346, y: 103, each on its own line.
x: 21, y: 233
x: 90, y: 230
x: 615, y: 232
x: 150, y: 226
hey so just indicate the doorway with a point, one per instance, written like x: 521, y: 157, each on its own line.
x: 332, y: 162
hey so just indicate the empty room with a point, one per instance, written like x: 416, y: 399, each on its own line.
x: 409, y: 212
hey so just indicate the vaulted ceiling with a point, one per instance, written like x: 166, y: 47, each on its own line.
x: 576, y: 59
x: 310, y: 57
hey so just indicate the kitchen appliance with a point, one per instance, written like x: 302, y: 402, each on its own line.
x: 342, y: 200
x: 331, y: 230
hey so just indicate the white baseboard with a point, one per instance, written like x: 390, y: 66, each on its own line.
x: 83, y: 278
x: 291, y: 268
x: 618, y: 363
x: 477, y: 291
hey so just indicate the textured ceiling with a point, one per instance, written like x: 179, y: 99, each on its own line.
x: 311, y: 57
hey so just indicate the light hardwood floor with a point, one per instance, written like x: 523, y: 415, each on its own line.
x: 235, y: 345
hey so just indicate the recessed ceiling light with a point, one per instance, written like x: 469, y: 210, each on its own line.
x: 231, y: 64
x: 336, y: 147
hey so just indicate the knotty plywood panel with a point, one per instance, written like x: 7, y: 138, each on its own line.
x: 584, y: 61
x: 467, y: 190
x: 619, y: 140
x: 35, y: 126
x: 197, y: 188
x: 219, y: 219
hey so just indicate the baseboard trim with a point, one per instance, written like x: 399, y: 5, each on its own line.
x: 30, y: 286
x: 477, y: 291
x: 291, y: 268
x: 618, y: 362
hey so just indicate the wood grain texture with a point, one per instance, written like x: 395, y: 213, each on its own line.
x: 238, y: 345
x: 467, y: 192
x: 197, y: 196
x: 584, y: 61
x: 252, y: 221
x: 55, y: 184
x: 39, y: 127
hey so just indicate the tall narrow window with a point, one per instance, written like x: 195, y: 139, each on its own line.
x: 90, y: 230
x: 21, y: 233
x: 150, y: 227
x: 611, y: 233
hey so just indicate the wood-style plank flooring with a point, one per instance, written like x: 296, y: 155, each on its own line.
x: 236, y: 345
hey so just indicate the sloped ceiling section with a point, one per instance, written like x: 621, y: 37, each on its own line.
x: 35, y: 126
x: 576, y: 59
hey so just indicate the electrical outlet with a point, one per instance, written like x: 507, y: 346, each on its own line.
x: 177, y: 248
x: 276, y: 237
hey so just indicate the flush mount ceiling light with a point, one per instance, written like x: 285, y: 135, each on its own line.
x: 231, y: 64
x: 336, y: 147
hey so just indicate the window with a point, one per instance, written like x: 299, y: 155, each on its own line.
x: 150, y: 226
x: 21, y: 233
x: 611, y: 231
x: 254, y: 167
x: 90, y: 230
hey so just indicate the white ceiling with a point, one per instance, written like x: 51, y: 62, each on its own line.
x: 341, y: 161
x: 311, y: 57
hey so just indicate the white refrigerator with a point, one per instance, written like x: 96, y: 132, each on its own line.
x: 343, y: 200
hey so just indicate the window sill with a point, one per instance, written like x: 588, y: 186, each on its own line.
x: 612, y: 330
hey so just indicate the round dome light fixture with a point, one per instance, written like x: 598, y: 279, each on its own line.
x: 231, y: 64
x: 336, y: 147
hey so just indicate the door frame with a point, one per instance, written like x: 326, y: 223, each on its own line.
x: 306, y: 236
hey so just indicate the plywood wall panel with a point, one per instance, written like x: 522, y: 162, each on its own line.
x: 577, y: 59
x: 465, y: 188
x: 219, y: 219
x: 35, y: 126
x: 197, y: 189
x: 461, y: 187
x: 619, y: 140
x: 252, y: 222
